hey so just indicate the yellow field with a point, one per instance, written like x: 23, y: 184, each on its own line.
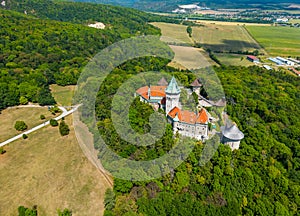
x: 63, y: 94
x: 51, y: 172
x: 230, y: 23
x: 174, y: 33
x: 30, y: 115
x: 225, y: 38
x: 294, y: 21
x: 190, y: 58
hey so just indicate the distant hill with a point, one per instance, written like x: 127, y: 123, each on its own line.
x: 52, y: 44
x: 166, y: 6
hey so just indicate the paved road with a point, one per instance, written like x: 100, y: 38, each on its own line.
x: 64, y: 114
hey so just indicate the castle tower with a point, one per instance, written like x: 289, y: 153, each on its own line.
x: 172, y: 95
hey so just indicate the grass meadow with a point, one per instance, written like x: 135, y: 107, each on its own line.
x: 277, y: 40
x: 63, y: 94
x: 30, y: 115
x: 50, y: 171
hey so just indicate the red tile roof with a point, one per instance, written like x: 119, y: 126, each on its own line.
x: 175, y: 111
x: 202, y: 116
x: 188, y: 116
x: 252, y: 57
x: 155, y: 91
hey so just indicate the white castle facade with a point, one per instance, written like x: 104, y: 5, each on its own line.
x: 166, y: 96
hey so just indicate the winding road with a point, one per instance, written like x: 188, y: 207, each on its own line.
x: 64, y: 114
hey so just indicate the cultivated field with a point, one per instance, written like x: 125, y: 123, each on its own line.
x: 225, y: 38
x: 190, y: 58
x: 50, y: 171
x: 230, y: 23
x: 173, y: 33
x: 30, y: 115
x: 277, y: 40
x: 63, y: 94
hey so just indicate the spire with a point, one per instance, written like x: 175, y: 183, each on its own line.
x: 196, y: 83
x: 149, y: 91
x: 162, y: 82
x: 173, y: 87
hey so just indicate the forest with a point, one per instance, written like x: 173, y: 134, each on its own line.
x: 36, y: 51
x: 52, y: 44
x: 261, y: 178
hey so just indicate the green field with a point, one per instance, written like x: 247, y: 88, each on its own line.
x: 30, y: 115
x: 225, y: 38
x: 234, y: 59
x: 63, y: 94
x: 174, y: 33
x: 277, y: 40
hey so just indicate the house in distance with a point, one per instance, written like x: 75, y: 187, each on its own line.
x: 253, y: 59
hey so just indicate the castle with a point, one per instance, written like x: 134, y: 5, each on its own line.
x: 166, y: 96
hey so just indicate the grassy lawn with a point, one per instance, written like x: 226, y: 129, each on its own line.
x: 277, y: 40
x: 225, y: 38
x: 30, y: 115
x: 51, y: 172
x: 234, y: 59
x: 175, y: 33
x: 63, y: 94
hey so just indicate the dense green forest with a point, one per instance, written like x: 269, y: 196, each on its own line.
x: 261, y: 178
x: 52, y: 44
x: 36, y: 52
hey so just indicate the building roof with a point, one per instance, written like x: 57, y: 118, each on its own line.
x: 232, y: 132
x: 220, y: 103
x: 162, y: 82
x: 196, y: 83
x: 252, y: 57
x: 155, y: 91
x: 173, y: 87
x: 188, y: 116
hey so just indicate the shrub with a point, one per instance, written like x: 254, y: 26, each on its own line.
x: 20, y: 126
x: 24, y: 136
x: 66, y: 212
x: 53, y: 123
x: 42, y: 117
x: 2, y: 151
x: 55, y: 110
x: 64, y: 128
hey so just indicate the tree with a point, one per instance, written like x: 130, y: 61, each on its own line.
x: 23, y: 100
x: 23, y: 211
x: 20, y: 126
x: 64, y: 128
x: 109, y: 199
x: 53, y: 123
x: 189, y: 30
x: 2, y: 151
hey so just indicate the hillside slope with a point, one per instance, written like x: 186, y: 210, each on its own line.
x: 36, y: 51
